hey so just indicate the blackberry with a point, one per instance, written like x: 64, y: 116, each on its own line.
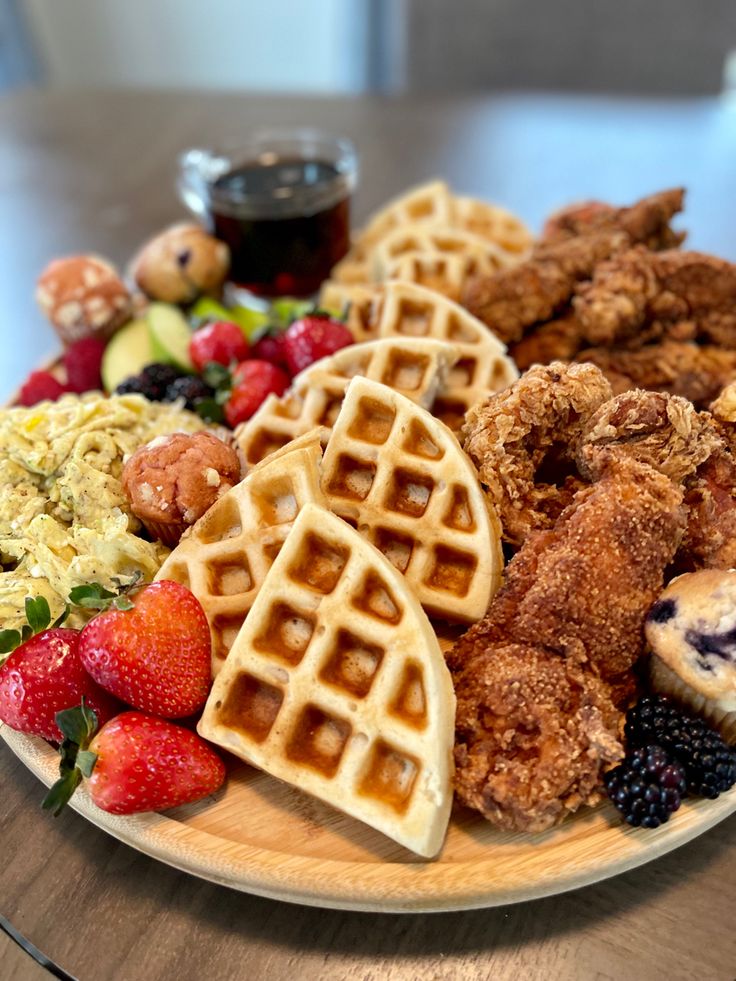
x: 157, y: 378
x: 646, y: 787
x: 152, y: 382
x: 130, y: 386
x: 191, y: 388
x: 709, y: 764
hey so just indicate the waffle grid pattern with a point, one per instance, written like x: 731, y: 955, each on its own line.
x: 417, y: 368
x: 225, y: 557
x: 337, y: 685
x: 400, y: 477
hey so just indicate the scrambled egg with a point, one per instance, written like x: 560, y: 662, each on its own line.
x: 64, y: 519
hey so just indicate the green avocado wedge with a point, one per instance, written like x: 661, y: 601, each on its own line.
x: 127, y: 353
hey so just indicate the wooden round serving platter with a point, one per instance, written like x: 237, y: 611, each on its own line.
x: 261, y: 836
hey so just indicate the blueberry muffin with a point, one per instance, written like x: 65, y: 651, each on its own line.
x: 691, y: 631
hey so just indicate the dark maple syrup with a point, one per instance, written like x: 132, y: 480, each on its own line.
x: 286, y: 221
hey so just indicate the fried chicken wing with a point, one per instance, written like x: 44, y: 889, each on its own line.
x: 584, y: 588
x: 695, y: 372
x: 665, y: 431
x: 522, y: 440
x: 532, y: 733
x: 647, y: 221
x: 676, y: 294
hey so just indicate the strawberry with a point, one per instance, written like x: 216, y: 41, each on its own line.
x: 270, y: 348
x: 83, y: 361
x: 311, y: 338
x: 154, y: 655
x: 252, y: 381
x: 40, y: 386
x: 43, y: 674
x: 136, y: 762
x: 222, y: 342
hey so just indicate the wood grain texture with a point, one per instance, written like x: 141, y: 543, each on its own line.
x: 293, y: 847
x: 17, y: 965
x: 83, y: 171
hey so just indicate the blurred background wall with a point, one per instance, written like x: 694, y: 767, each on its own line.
x: 650, y: 47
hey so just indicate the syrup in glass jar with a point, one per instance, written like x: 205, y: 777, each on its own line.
x: 281, y: 203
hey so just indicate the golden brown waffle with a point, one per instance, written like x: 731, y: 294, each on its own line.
x: 362, y: 303
x: 416, y: 367
x: 400, y: 476
x: 336, y: 684
x: 225, y: 556
x: 432, y: 204
x: 408, y: 310
x: 435, y: 240
x: 493, y: 223
x: 401, y: 309
x: 428, y: 202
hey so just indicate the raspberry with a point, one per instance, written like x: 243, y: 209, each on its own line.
x: 709, y: 764
x: 222, y: 342
x: 40, y: 385
x: 646, y: 787
x: 312, y: 338
x: 252, y: 382
x: 270, y: 348
x: 82, y: 361
x: 191, y: 388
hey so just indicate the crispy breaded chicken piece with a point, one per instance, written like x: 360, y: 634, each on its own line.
x: 647, y: 221
x: 522, y: 441
x: 555, y: 340
x: 723, y: 411
x: 695, y: 372
x: 532, y: 733
x: 684, y: 295
x: 538, y: 678
x: 710, y: 496
x: 583, y: 588
x: 665, y: 431
x: 512, y: 300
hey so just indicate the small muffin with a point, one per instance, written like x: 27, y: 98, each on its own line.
x: 171, y: 481
x: 691, y: 630
x: 180, y: 264
x: 83, y: 296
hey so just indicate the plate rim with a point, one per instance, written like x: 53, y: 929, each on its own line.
x: 325, y: 883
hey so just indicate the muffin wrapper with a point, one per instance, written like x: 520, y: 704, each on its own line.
x: 665, y: 681
x: 168, y: 532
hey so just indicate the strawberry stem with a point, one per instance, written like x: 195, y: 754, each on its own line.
x: 78, y: 726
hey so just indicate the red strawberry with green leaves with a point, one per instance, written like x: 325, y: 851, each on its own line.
x: 43, y: 675
x: 136, y: 762
x: 152, y: 650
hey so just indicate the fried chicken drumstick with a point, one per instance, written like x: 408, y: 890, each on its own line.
x: 537, y: 679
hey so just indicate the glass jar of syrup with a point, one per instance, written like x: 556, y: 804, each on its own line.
x: 281, y: 202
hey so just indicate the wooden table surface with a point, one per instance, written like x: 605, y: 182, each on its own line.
x: 94, y: 172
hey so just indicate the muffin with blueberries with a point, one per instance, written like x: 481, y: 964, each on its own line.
x: 171, y: 481
x: 691, y: 631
